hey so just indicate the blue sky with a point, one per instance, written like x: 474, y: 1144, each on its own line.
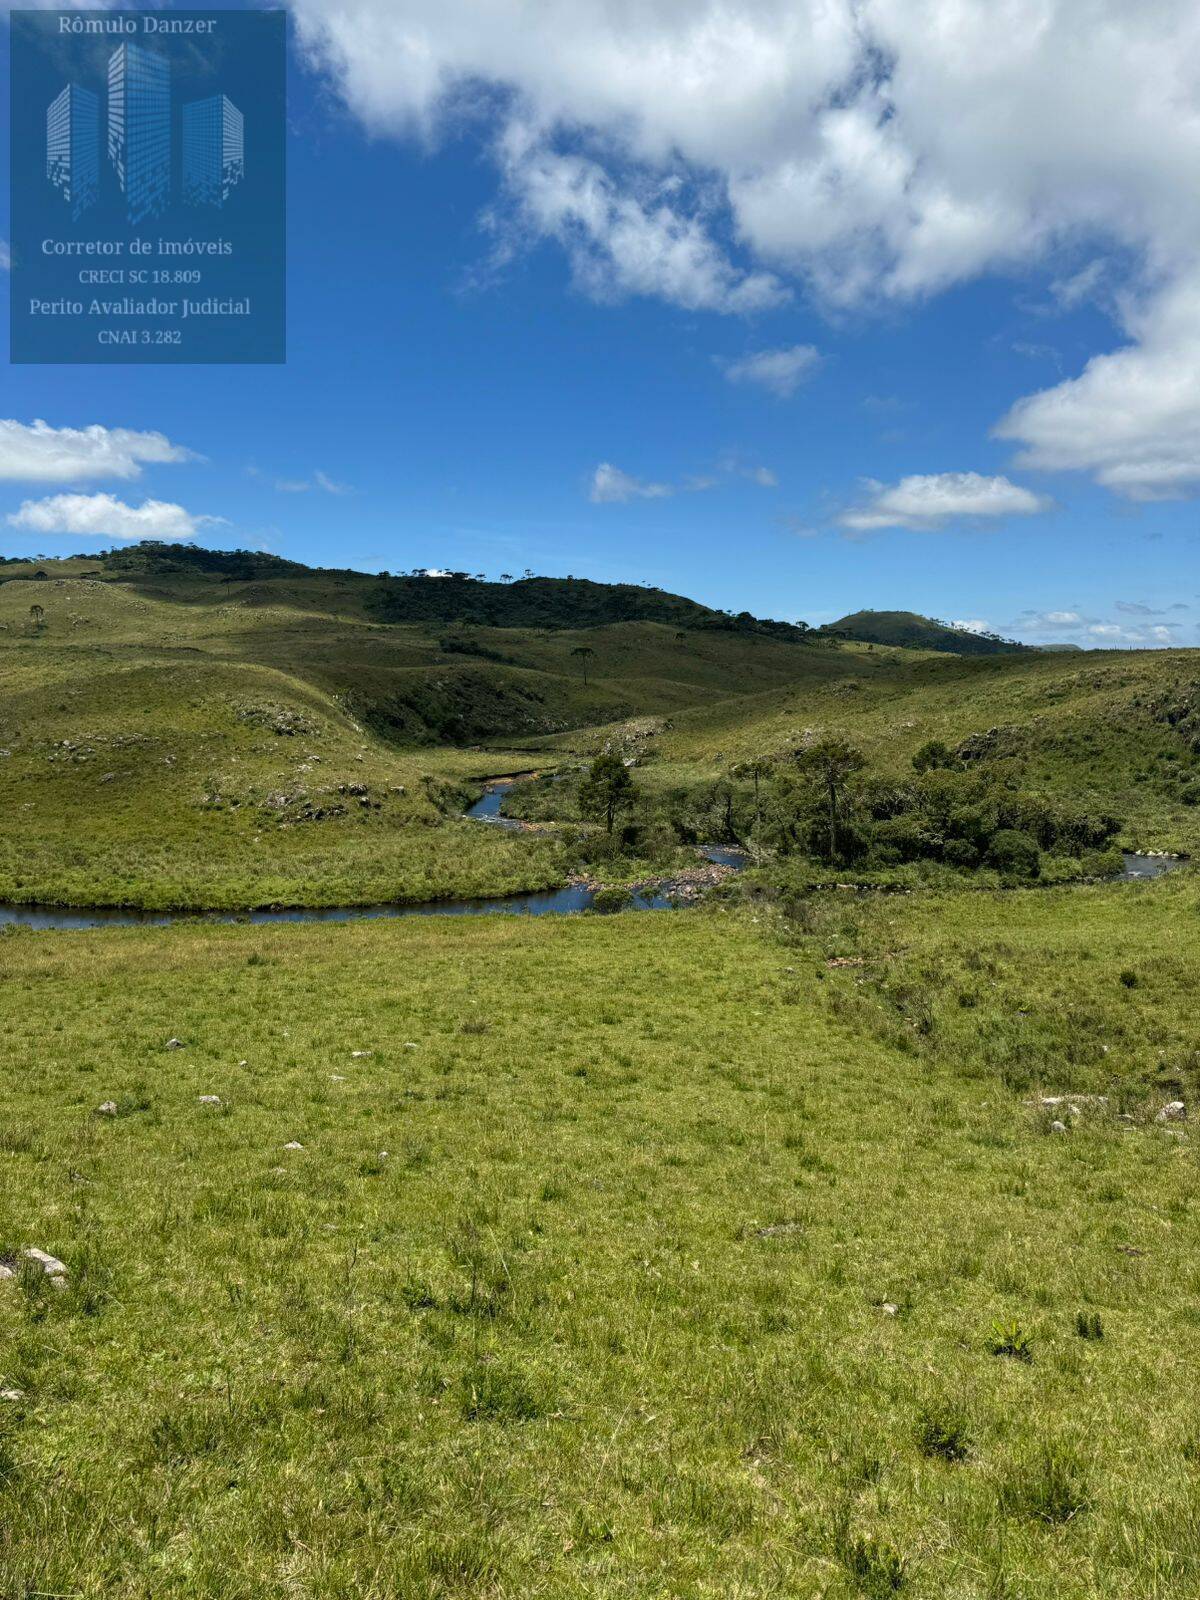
x: 521, y: 337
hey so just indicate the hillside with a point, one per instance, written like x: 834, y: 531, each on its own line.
x: 911, y: 631
x: 224, y: 730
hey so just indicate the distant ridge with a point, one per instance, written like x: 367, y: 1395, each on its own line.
x: 910, y: 631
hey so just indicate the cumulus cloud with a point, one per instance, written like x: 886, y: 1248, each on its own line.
x: 103, y: 516
x: 780, y: 371
x: 1132, y: 417
x: 931, y: 501
x: 706, y: 151
x: 37, y: 453
x: 972, y: 625
x: 612, y: 486
x: 622, y: 243
x: 1099, y: 633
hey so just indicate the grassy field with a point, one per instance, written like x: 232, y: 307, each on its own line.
x: 710, y: 1255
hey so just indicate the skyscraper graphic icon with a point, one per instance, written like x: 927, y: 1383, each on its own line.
x: 139, y: 128
x: 213, y: 150
x: 73, y: 147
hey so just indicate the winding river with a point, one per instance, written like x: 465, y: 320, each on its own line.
x: 574, y: 897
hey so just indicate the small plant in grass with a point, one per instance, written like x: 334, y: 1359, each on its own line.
x: 1129, y: 979
x: 876, y: 1567
x: 1047, y: 1485
x: 1088, y: 1325
x: 943, y: 1432
x: 1010, y: 1339
x: 498, y: 1394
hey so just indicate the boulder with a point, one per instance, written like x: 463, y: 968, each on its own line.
x: 107, y: 1108
x: 1173, y: 1111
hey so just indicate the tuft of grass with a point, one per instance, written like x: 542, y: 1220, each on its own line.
x: 944, y: 1432
x: 1047, y: 1484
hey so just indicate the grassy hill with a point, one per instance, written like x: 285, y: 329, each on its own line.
x: 911, y: 631
x: 209, y: 729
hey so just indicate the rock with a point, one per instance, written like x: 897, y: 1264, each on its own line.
x: 10, y: 1394
x: 359, y: 1055
x: 243, y: 1063
x: 890, y: 1309
x: 1058, y: 1127
x: 6, y: 1272
x: 50, y: 1265
x: 107, y: 1108
x: 336, y: 1077
x: 1173, y: 1111
x: 293, y: 1144
x: 174, y: 1044
x: 210, y: 1099
x: 411, y: 1044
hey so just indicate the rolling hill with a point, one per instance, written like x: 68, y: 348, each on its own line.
x: 911, y: 631
x: 195, y: 728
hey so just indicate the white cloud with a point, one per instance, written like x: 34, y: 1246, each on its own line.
x: 38, y: 453
x: 623, y: 243
x: 781, y: 371
x: 319, y: 480
x: 103, y: 516
x: 763, y: 477
x: 932, y: 500
x: 973, y: 625
x: 706, y: 150
x: 610, y: 485
x: 1132, y: 417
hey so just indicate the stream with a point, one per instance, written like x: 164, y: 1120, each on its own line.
x: 574, y: 897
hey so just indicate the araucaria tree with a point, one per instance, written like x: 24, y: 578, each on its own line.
x: 584, y: 652
x: 831, y: 763
x: 606, y: 791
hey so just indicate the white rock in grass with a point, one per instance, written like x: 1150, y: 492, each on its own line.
x: 10, y: 1394
x: 210, y: 1099
x: 6, y: 1272
x: 50, y: 1265
x: 890, y: 1309
x: 174, y: 1044
x: 1058, y: 1127
x: 107, y: 1108
x: 411, y: 1044
x: 293, y: 1144
x: 336, y: 1077
x: 1173, y: 1111
x: 359, y: 1055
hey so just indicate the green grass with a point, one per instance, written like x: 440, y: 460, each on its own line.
x: 681, y: 1274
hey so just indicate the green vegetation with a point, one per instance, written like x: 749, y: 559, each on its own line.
x: 911, y: 631
x: 803, y: 1245
x: 707, y: 1256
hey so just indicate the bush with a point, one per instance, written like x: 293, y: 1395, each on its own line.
x: 1014, y: 854
x: 933, y: 754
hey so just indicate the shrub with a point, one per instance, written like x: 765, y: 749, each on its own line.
x: 1014, y: 853
x: 934, y: 753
